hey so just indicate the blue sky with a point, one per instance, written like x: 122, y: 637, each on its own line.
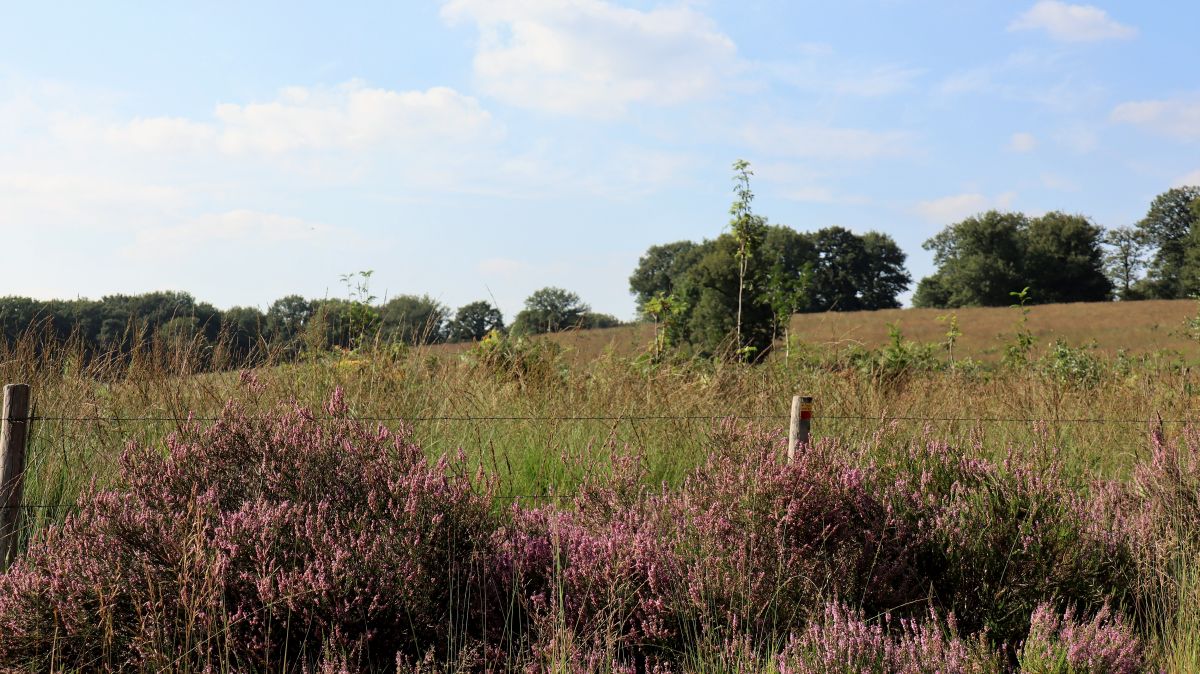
x: 485, y: 148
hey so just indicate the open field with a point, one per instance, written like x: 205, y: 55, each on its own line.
x: 1135, y: 327
x: 1005, y: 494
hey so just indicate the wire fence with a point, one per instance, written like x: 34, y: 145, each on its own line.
x: 49, y: 511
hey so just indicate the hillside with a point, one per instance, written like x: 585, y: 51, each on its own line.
x: 1137, y: 327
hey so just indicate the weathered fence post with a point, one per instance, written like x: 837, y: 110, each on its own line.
x: 14, y: 430
x: 800, y: 424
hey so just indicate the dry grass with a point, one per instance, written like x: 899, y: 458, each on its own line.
x: 1135, y: 327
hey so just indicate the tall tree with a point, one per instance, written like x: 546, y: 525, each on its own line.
x: 1064, y: 261
x: 1168, y: 228
x: 748, y: 231
x: 979, y: 261
x: 414, y: 319
x: 984, y: 258
x: 474, y: 321
x: 550, y: 310
x: 660, y: 270
x: 1125, y: 259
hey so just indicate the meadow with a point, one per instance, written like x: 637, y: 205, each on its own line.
x: 569, y: 504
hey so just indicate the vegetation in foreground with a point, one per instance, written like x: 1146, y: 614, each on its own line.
x: 601, y: 516
x: 305, y: 539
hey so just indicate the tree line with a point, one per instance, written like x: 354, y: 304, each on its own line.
x: 1066, y: 258
x: 732, y: 294
x: 121, y: 324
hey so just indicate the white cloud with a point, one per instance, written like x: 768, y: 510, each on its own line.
x: 593, y: 58
x: 1175, y: 117
x: 946, y: 210
x: 1022, y: 142
x: 825, y: 142
x: 819, y: 74
x: 502, y: 266
x: 58, y: 200
x: 1187, y: 180
x: 353, y: 116
x: 1072, y: 23
x: 247, y: 229
x: 1059, y: 183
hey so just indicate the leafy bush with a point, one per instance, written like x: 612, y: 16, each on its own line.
x: 252, y: 544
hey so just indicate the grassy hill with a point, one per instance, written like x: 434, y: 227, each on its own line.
x: 1136, y: 327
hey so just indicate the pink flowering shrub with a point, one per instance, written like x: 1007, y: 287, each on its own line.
x: 251, y: 542
x: 1061, y: 644
x: 747, y: 543
x: 842, y: 640
x: 338, y: 547
x: 995, y: 540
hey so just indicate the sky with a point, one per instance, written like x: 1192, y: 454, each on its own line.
x: 481, y: 149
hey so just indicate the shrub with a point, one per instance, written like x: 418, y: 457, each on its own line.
x: 842, y: 640
x: 1061, y: 644
x: 253, y: 543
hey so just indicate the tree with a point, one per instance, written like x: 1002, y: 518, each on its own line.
x: 1064, y: 261
x: 748, y: 231
x: 984, y: 258
x: 244, y: 327
x: 1168, y: 228
x: 855, y: 273
x: 287, y: 317
x: 884, y: 276
x: 979, y: 261
x: 710, y: 294
x: 550, y: 310
x: 1125, y: 259
x: 414, y: 319
x: 472, y: 322
x: 660, y: 270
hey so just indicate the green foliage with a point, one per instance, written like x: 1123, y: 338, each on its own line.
x: 829, y: 270
x: 981, y: 258
x: 360, y: 316
x: 665, y: 311
x: 472, y: 322
x: 1072, y: 366
x: 516, y: 358
x: 1170, y: 228
x: 412, y: 319
x: 952, y: 333
x: 661, y: 269
x: 550, y: 310
x: 1017, y: 352
x: 1125, y: 259
x: 898, y: 359
x: 748, y: 231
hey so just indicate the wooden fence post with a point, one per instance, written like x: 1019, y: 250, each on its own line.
x: 14, y: 430
x: 800, y: 425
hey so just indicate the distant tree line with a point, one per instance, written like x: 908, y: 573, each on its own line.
x: 120, y: 324
x: 1066, y: 258
x: 745, y: 284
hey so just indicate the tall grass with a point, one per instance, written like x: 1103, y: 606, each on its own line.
x: 555, y: 436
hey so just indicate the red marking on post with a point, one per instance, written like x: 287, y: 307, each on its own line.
x: 806, y: 414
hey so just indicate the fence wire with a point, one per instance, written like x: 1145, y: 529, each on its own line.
x: 50, y: 450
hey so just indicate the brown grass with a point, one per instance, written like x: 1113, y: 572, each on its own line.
x: 1135, y: 327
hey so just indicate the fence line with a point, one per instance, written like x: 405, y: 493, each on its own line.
x: 19, y: 419
x: 628, y: 417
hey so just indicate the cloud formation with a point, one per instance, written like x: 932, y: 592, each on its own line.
x: 1174, y: 117
x: 1072, y: 23
x: 1022, y: 142
x: 593, y: 58
x: 954, y: 208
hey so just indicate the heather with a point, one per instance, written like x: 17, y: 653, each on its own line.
x: 301, y: 539
x: 611, y: 515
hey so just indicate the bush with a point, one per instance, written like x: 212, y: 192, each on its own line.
x: 255, y: 543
